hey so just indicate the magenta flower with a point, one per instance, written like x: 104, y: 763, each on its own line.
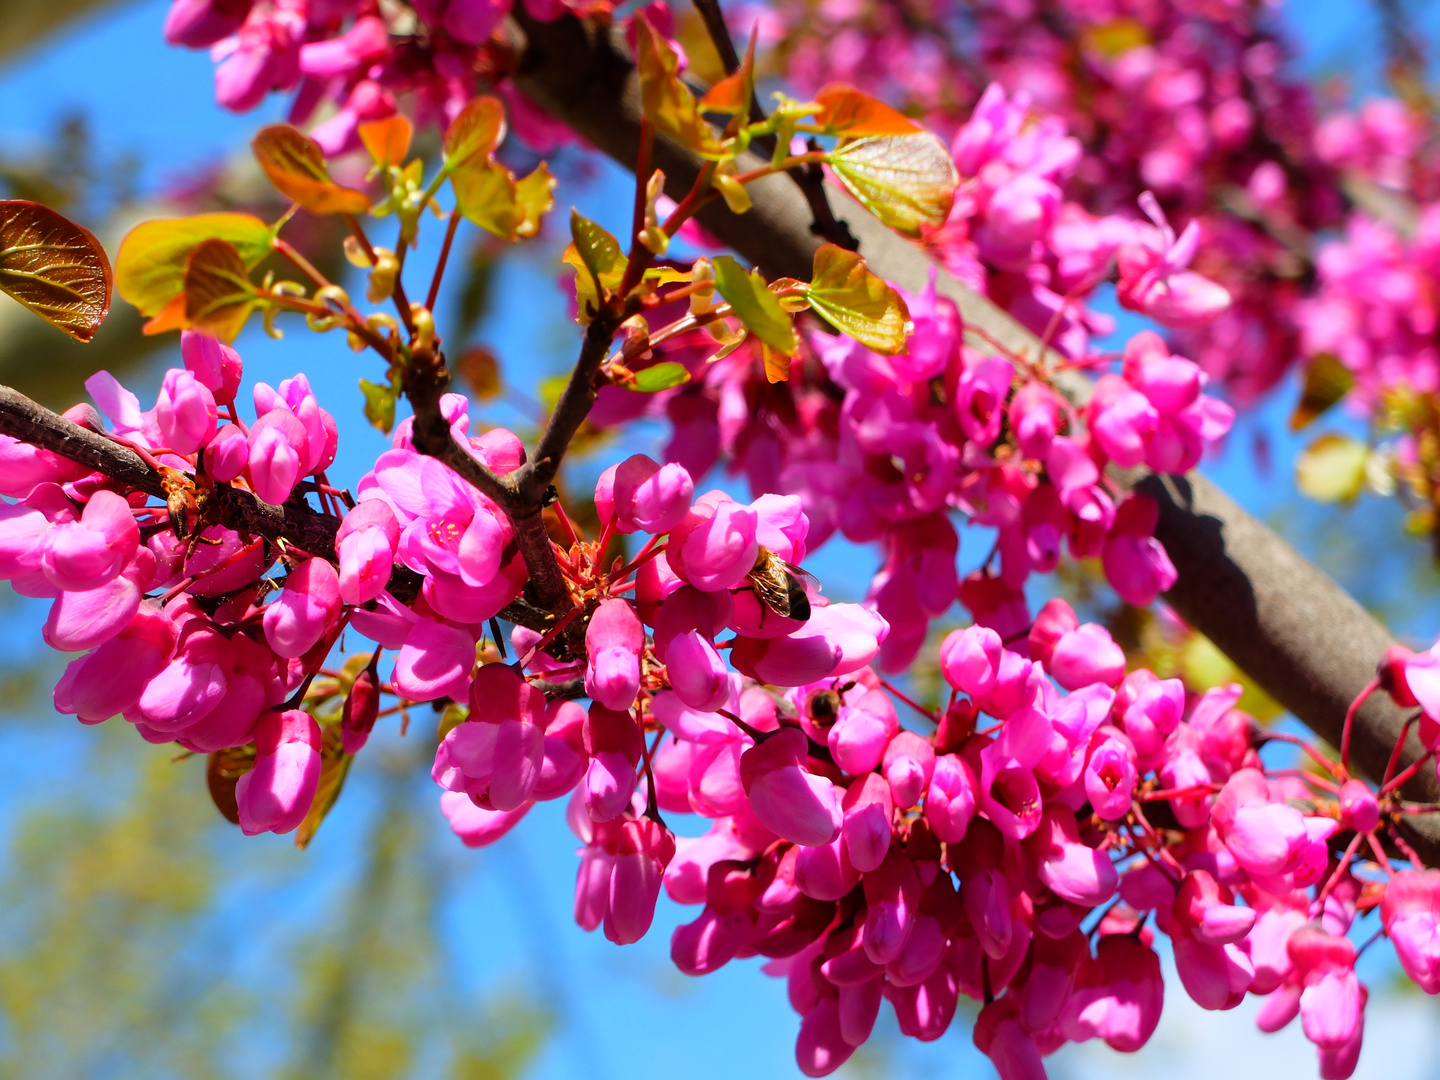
x: 435, y: 661
x: 366, y: 546
x: 614, y: 742
x: 951, y: 801
x: 1118, y: 995
x: 791, y: 801
x: 865, y: 726
x: 185, y: 412
x: 648, y: 497
x: 496, y: 754
x: 970, y: 660
x: 91, y: 552
x: 276, y: 794
x: 306, y: 609
x: 1410, y: 911
x: 215, y: 365
x: 474, y: 825
x: 869, y: 810
x: 613, y: 643
x: 715, y: 545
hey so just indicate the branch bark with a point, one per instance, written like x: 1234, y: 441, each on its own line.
x: 1296, y: 632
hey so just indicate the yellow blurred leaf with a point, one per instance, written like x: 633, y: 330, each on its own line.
x: 1332, y: 468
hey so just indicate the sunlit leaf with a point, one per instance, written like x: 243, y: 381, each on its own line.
x: 667, y: 101
x: 733, y: 93
x: 379, y: 404
x: 1332, y: 468
x: 218, y: 293
x: 150, y: 266
x: 904, y: 180
x: 857, y: 302
x: 755, y: 305
x: 599, y: 263
x: 485, y: 193
x: 388, y: 140
x: 777, y: 365
x: 1327, y: 380
x: 334, y: 767
x: 1116, y: 37
x: 534, y: 195
x: 479, y: 129
x: 661, y: 376
x: 846, y: 111
x: 296, y: 166
x: 54, y: 267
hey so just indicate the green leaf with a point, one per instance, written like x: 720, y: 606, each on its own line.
x: 755, y: 305
x: 150, y: 266
x: 218, y: 293
x: 479, y: 129
x: 54, y: 267
x: 599, y: 263
x: 666, y: 100
x: 1332, y: 468
x: 485, y: 193
x: 334, y: 767
x: 904, y: 180
x: 1327, y: 380
x: 858, y: 303
x: 296, y: 166
x: 661, y: 376
x: 379, y: 404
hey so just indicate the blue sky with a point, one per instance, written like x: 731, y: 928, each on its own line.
x: 626, y: 1012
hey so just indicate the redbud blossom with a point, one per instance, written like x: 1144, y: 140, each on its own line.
x: 276, y: 794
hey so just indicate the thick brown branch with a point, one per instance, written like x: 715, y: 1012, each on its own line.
x: 1275, y: 614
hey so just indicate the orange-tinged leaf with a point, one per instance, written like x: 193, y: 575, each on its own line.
x: 856, y: 302
x: 387, y: 140
x: 732, y: 94
x: 296, y: 166
x: 170, y: 317
x: 666, y: 100
x: 479, y: 129
x: 1327, y: 380
x: 218, y: 294
x: 777, y: 365
x: 848, y: 112
x: 904, y: 180
x: 150, y: 266
x: 54, y: 267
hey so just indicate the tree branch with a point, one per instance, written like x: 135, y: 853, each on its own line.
x: 1297, y: 633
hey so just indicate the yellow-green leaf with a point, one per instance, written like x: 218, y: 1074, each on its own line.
x: 388, y: 140
x: 755, y: 305
x: 218, y: 294
x: 666, y: 100
x: 661, y: 376
x: 150, y: 266
x: 599, y: 263
x: 534, y: 195
x: 296, y: 166
x: 846, y: 111
x: 858, y: 303
x: 485, y: 193
x: 379, y: 404
x: 54, y: 267
x: 479, y: 129
x: 1332, y: 468
x: 904, y: 180
x: 1327, y: 380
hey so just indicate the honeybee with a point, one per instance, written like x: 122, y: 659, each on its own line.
x: 778, y: 586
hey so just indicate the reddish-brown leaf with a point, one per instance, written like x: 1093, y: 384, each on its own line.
x: 54, y: 267
x: 846, y: 111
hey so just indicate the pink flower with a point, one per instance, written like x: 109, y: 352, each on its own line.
x: 198, y: 24
x: 1118, y: 995
x: 869, y: 809
x: 792, y: 802
x: 836, y: 640
x: 228, y: 454
x: 263, y: 56
x: 215, y: 365
x: 908, y: 764
x: 566, y: 758
x: 1009, y: 793
x: 1110, y: 776
x: 1410, y: 911
x: 970, y: 660
x: 649, y: 497
x: 435, y: 661
x: 185, y: 412
x: 274, y: 460
x: 1331, y: 1003
x: 495, y: 755
x: 866, y: 724
x: 1214, y: 969
x: 980, y: 400
x: 91, y: 552
x: 614, y: 742
x: 367, y: 39
x: 366, y: 547
x: 613, y: 642
x: 1153, y: 278
x: 306, y: 609
x: 715, y: 545
x: 1067, y: 867
x: 276, y: 794
x: 1085, y: 656
x: 475, y: 826
x: 620, y: 875
x: 950, y: 802
x: 1135, y: 563
x: 892, y: 899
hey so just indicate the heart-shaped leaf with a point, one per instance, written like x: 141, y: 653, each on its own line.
x: 904, y: 180
x: 661, y: 376
x: 857, y: 302
x: 755, y: 305
x: 485, y: 193
x: 388, y: 140
x: 218, y: 294
x: 478, y: 129
x: 846, y: 111
x: 54, y: 267
x: 296, y: 166
x: 150, y: 266
x: 599, y: 264
x: 666, y: 100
